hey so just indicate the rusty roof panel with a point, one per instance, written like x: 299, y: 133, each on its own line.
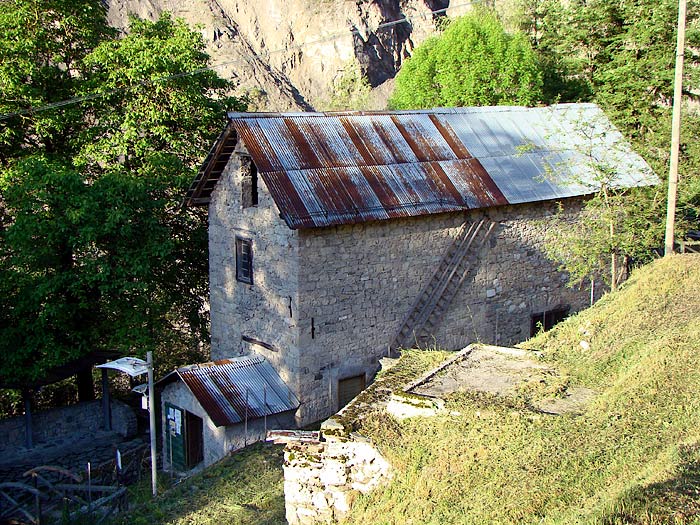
x: 232, y: 389
x: 327, y: 169
x: 349, y: 195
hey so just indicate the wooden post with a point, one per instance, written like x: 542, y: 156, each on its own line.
x: 675, y: 132
x: 106, y: 403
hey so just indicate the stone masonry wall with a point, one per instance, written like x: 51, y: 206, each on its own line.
x: 321, y: 479
x: 267, y: 310
x: 358, y: 283
x: 56, y: 423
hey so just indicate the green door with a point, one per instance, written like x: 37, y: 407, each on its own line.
x: 175, y: 437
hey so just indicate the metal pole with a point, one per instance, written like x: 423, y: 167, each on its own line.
x: 152, y: 418
x: 265, y: 404
x: 675, y: 132
x: 89, y: 476
x: 245, y: 437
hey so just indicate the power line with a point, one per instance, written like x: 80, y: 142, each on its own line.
x: 334, y: 36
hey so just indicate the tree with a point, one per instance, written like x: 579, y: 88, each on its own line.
x: 474, y: 62
x: 617, y: 224
x: 42, y: 44
x: 95, y: 252
x: 622, y: 55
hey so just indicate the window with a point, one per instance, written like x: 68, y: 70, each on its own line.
x: 244, y: 260
x: 249, y: 182
x: 546, y: 320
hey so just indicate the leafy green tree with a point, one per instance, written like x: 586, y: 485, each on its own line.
x: 621, y: 55
x: 42, y: 44
x: 617, y: 224
x: 95, y: 252
x: 474, y: 62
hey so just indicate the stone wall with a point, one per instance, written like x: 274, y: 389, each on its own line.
x: 358, y: 283
x: 267, y: 310
x: 322, y: 479
x: 57, y: 423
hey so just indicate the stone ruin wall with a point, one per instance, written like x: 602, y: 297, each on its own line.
x: 59, y: 423
x: 322, y: 479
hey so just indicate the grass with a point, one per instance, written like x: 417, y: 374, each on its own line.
x: 246, y: 488
x: 632, y: 457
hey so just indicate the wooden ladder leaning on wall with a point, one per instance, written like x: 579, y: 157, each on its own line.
x: 436, y: 297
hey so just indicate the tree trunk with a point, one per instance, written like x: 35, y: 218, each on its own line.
x: 86, y: 388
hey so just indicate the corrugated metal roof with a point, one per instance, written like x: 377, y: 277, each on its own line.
x: 225, y: 388
x: 326, y: 169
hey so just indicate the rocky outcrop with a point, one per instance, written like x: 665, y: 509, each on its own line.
x: 290, y: 54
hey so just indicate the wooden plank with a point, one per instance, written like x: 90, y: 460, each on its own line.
x: 293, y: 436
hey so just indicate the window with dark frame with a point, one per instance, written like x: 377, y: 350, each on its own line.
x: 244, y: 260
x: 546, y: 320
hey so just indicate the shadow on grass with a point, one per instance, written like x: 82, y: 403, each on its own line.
x: 674, y: 501
x: 246, y: 488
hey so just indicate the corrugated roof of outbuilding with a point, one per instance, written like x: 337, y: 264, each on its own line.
x: 339, y: 168
x: 230, y: 389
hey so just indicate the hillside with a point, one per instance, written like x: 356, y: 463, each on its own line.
x: 302, y: 55
x: 633, y: 456
x: 292, y: 55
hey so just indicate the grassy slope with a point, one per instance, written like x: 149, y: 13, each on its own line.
x: 246, y: 488
x: 633, y: 457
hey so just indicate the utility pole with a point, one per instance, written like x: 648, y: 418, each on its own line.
x: 675, y: 132
x: 152, y: 424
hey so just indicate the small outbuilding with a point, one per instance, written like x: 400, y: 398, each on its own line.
x: 211, y: 409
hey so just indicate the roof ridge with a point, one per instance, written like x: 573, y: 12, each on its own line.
x: 235, y: 115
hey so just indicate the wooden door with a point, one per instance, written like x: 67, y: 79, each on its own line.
x: 175, y: 437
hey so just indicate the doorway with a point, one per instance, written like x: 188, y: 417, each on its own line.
x: 184, y: 439
x: 348, y: 389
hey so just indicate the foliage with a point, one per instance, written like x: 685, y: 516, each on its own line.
x: 617, y: 225
x: 474, y: 62
x: 622, y: 55
x: 631, y: 457
x: 351, y: 91
x: 626, y: 53
x: 42, y: 43
x: 95, y: 252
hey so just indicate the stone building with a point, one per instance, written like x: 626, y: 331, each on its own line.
x: 335, y: 239
x: 212, y: 409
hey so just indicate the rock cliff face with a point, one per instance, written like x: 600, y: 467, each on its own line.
x: 291, y: 54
